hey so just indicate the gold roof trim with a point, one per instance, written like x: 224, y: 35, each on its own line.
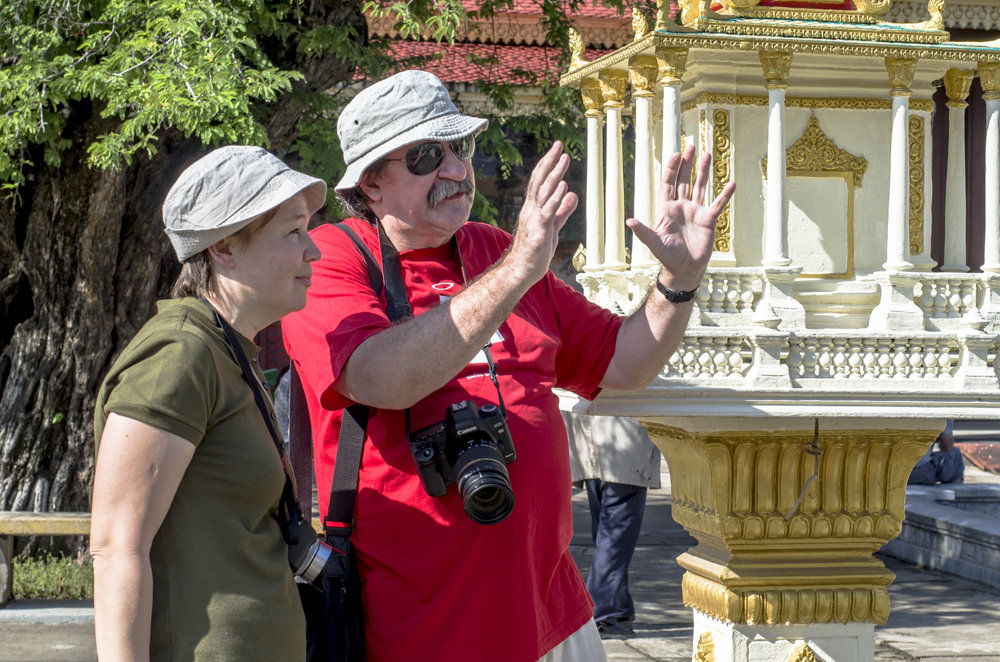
x: 836, y: 103
x: 961, y: 52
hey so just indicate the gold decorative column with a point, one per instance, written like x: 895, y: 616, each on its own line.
x: 787, y: 522
x: 613, y: 82
x: 643, y: 70
x: 989, y: 77
x: 671, y: 63
x: 776, y: 66
x: 900, y: 72
x: 593, y: 102
x: 957, y: 83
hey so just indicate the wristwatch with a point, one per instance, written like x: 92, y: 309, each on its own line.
x: 673, y: 296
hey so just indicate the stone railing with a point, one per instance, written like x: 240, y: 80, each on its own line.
x: 945, y: 298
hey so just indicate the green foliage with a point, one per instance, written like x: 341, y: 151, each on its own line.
x: 53, y: 577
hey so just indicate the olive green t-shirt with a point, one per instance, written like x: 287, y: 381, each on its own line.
x: 222, y: 588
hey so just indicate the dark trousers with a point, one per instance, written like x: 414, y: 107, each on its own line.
x: 615, y: 518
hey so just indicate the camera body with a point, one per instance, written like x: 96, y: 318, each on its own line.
x: 471, y: 448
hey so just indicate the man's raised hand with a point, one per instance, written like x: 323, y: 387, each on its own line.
x: 684, y: 232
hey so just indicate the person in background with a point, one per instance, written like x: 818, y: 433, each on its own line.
x: 945, y: 465
x: 614, y: 460
x: 189, y: 560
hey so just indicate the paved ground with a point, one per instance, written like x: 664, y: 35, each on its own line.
x: 935, y: 617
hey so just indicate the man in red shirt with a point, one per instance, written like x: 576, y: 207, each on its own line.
x: 436, y: 584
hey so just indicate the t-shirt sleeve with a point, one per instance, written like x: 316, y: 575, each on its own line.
x: 588, y: 333
x: 170, y: 383
x: 342, y: 311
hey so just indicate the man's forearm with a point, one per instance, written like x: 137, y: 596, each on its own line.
x: 646, y: 340
x: 400, y: 366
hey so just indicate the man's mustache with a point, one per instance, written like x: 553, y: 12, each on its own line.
x: 448, y: 188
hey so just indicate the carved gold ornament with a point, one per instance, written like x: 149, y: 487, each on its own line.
x: 705, y: 650
x: 814, y: 152
x: 734, y: 491
x: 840, y: 103
x: 576, y: 48
x: 643, y: 70
x: 989, y: 78
x: 721, y: 165
x: 913, y: 44
x: 672, y: 62
x: 613, y: 82
x: 901, y: 72
x: 593, y: 98
x: 916, y: 217
x: 957, y: 83
x: 873, y: 7
x: 640, y: 27
x: 936, y: 22
x: 802, y: 653
x: 776, y: 65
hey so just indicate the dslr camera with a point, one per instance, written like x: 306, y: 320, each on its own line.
x: 470, y: 448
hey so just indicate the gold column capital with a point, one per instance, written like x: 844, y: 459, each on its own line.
x: 642, y: 73
x: 613, y: 82
x: 901, y: 70
x: 671, y: 63
x: 957, y: 83
x: 989, y: 77
x: 776, y: 65
x: 593, y: 98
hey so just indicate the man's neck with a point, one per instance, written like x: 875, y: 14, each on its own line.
x: 405, y: 237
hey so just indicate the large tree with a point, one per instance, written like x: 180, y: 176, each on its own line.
x: 102, y: 104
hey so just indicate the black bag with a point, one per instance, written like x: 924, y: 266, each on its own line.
x: 334, y: 621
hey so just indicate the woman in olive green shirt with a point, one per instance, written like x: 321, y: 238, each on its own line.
x: 189, y: 561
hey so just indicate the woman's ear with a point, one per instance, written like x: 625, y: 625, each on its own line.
x: 221, y: 253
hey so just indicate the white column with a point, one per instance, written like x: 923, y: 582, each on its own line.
x: 989, y: 76
x: 613, y: 88
x: 593, y: 101
x: 957, y: 83
x: 776, y: 69
x: 898, y: 236
x: 642, y: 74
x: 671, y: 62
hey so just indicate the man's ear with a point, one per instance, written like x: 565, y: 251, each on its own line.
x: 221, y: 253
x: 371, y: 185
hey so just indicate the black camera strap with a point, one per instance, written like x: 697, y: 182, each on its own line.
x: 289, y: 510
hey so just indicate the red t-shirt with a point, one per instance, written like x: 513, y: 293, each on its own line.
x: 436, y: 584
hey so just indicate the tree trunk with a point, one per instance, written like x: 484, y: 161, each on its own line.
x: 83, y: 259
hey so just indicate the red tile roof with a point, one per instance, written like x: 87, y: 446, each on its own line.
x: 453, y: 66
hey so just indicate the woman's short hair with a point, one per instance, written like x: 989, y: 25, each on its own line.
x: 195, y: 279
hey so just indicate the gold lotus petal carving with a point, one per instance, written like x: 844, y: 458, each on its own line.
x: 845, y: 103
x: 802, y: 653
x: 642, y: 71
x: 989, y: 77
x: 705, y: 650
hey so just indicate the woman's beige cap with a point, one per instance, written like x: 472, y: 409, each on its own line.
x: 227, y: 189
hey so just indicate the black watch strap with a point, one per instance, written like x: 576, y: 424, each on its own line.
x: 674, y: 296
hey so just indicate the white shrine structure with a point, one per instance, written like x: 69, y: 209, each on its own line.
x: 824, y: 352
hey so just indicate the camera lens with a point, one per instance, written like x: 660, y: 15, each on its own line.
x: 484, y: 484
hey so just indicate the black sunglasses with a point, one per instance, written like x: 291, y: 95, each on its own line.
x: 424, y: 158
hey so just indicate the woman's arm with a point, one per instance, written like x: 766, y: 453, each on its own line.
x: 138, y: 470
